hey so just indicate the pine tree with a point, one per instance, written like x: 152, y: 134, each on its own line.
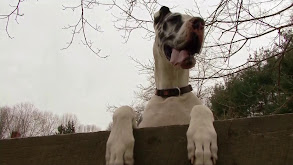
x: 263, y: 89
x: 66, y: 129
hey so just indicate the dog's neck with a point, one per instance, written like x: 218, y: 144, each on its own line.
x: 166, y: 75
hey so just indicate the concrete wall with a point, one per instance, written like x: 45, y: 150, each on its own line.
x: 254, y: 141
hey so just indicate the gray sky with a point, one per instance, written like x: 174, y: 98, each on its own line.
x: 34, y: 69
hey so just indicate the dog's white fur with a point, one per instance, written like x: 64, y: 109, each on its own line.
x: 185, y: 109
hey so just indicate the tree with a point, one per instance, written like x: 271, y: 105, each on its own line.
x: 66, y: 129
x: 79, y: 128
x: 25, y: 120
x: 5, y: 121
x: 87, y: 128
x: 69, y: 118
x: 266, y: 88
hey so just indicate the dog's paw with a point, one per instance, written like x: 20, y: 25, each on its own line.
x: 120, y: 151
x: 202, y: 137
x: 120, y: 144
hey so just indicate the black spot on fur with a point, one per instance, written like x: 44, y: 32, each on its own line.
x: 175, y: 19
x: 161, y: 35
x: 165, y: 26
x: 171, y: 37
x: 178, y: 25
x: 162, y: 13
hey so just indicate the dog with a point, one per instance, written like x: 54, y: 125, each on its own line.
x: 178, y: 37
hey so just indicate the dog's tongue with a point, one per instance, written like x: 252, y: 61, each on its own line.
x: 177, y: 57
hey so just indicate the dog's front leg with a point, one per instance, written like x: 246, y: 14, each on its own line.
x: 120, y: 144
x: 202, y: 137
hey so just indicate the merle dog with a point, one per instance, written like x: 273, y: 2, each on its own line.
x: 178, y: 38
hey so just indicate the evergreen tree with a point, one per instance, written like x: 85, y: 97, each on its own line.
x: 66, y: 129
x: 263, y: 89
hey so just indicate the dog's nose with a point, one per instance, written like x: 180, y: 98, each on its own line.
x: 198, y: 23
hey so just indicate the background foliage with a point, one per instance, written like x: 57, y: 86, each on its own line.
x: 266, y: 88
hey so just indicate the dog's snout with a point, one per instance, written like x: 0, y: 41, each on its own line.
x: 198, y: 23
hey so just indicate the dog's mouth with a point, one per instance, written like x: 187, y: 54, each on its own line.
x: 183, y: 57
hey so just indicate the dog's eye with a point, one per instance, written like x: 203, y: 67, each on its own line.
x: 174, y: 19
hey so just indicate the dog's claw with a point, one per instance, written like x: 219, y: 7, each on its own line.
x: 214, y: 160
x: 192, y: 160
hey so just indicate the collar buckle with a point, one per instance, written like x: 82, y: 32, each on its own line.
x: 179, y: 91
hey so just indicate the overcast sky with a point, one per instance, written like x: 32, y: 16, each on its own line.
x: 34, y: 69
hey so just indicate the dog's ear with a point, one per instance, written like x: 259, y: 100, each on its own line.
x: 161, y: 14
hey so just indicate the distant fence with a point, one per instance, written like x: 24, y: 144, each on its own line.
x: 254, y: 141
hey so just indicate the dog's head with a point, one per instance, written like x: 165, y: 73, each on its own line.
x: 178, y: 36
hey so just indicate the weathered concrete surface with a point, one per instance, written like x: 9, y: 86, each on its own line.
x: 254, y: 141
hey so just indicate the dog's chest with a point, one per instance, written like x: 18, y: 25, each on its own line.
x: 170, y: 111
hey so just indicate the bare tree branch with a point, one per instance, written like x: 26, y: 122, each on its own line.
x: 15, y: 12
x: 231, y: 26
x: 80, y: 27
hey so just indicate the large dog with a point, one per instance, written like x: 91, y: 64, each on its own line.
x: 178, y: 38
